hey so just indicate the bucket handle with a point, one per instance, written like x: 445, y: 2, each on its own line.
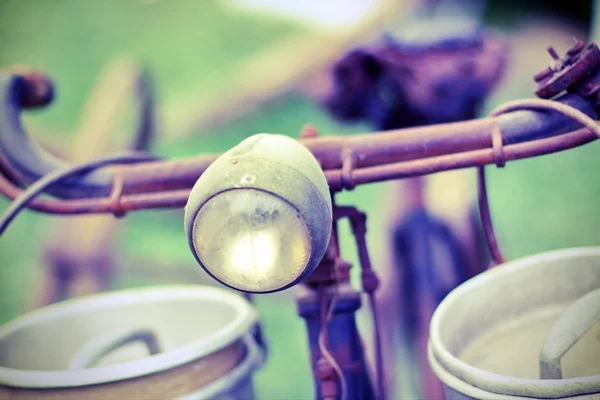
x: 572, y: 324
x: 99, y: 347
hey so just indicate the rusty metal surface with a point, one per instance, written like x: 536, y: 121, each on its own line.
x: 486, y: 219
x: 564, y: 73
x: 370, y: 284
x: 499, y: 159
x: 461, y: 160
x: 379, y: 173
x: 25, y: 162
x: 346, y: 160
x: 378, y: 148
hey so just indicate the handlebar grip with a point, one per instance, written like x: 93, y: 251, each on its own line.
x: 26, y: 162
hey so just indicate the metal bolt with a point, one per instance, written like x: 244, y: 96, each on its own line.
x: 553, y: 53
x: 543, y: 74
x: 324, y: 369
x: 575, y: 48
x: 327, y: 378
x: 370, y: 282
x: 308, y: 132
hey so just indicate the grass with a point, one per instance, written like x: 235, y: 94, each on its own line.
x: 537, y: 205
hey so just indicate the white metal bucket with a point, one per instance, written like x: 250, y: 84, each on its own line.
x: 97, y: 347
x: 526, y: 329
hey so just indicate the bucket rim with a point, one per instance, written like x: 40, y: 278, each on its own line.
x: 496, y: 383
x: 474, y: 392
x: 461, y: 386
x: 245, y: 318
x: 252, y: 361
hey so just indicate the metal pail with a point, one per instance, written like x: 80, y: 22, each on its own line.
x: 525, y: 329
x: 190, y: 342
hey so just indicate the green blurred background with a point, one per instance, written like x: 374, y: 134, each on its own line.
x: 193, y: 50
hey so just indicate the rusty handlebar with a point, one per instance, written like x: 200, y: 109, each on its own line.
x: 347, y: 161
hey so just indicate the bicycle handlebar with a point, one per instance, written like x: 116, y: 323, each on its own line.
x: 346, y: 160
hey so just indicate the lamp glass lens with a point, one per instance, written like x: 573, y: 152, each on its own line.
x: 251, y: 240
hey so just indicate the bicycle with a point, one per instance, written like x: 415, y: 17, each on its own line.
x: 516, y: 130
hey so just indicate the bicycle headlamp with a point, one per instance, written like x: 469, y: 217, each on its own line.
x: 260, y: 217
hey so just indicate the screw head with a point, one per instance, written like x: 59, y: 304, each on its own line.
x: 543, y: 74
x: 575, y: 48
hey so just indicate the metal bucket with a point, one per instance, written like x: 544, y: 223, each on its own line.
x: 190, y: 342
x: 526, y: 329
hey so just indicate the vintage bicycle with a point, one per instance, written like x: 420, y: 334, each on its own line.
x: 263, y: 216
